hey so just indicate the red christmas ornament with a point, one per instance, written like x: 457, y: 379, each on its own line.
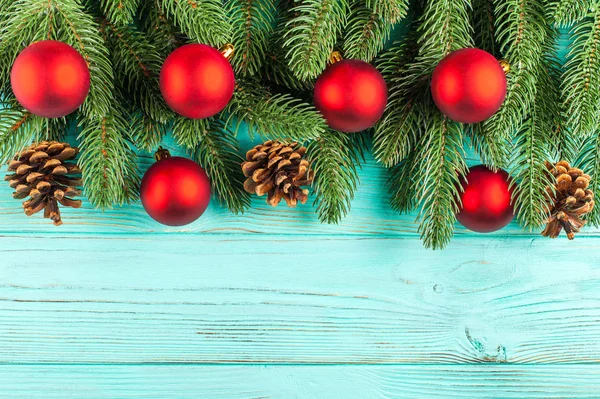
x: 486, y: 196
x: 469, y: 85
x: 196, y: 81
x: 50, y: 79
x: 351, y: 95
x: 175, y: 191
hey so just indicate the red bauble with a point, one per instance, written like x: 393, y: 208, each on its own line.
x: 50, y: 79
x: 351, y: 95
x: 469, y: 85
x: 197, y: 81
x: 175, y: 191
x: 486, y: 200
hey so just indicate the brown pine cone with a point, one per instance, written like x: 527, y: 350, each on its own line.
x: 42, y: 174
x: 569, y: 200
x: 278, y: 170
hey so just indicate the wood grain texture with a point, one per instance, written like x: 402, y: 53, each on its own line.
x: 284, y: 300
x: 316, y: 382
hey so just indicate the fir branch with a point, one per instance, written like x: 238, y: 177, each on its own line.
x: 391, y: 11
x: 581, y: 79
x: 203, y: 21
x: 160, y: 31
x: 589, y: 162
x: 522, y: 34
x: 277, y: 71
x: 120, y: 12
x: 366, y: 34
x: 567, y: 12
x: 401, y: 125
x: 440, y: 167
x: 312, y: 33
x: 108, y: 161
x: 218, y: 152
x: 278, y: 116
x: 402, y: 184
x: 483, y: 22
x: 137, y: 64
x: 445, y: 26
x: 56, y: 129
x: 334, y: 160
x: 187, y: 132
x: 253, y: 25
x: 529, y: 195
x: 534, y: 144
x: 18, y: 129
x: 493, y: 151
x: 147, y: 132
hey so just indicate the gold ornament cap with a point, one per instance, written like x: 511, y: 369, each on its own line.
x: 334, y: 57
x: 227, y: 50
x: 161, y: 154
x: 505, y: 66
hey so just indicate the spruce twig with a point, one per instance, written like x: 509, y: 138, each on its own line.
x: 120, y: 12
x: 253, y: 24
x: 218, y: 152
x: 18, y: 128
x: 311, y: 35
x: 589, y: 161
x: 108, y: 161
x: 401, y: 125
x: 581, y: 79
x: 278, y: 116
x: 567, y: 12
x: 522, y: 35
x: 391, y: 11
x: 445, y: 27
x: 203, y: 21
x: 138, y: 64
x: 366, y: 33
x: 335, y: 162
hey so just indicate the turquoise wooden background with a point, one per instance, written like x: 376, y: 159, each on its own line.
x: 273, y: 304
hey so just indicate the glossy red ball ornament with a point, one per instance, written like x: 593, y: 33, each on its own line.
x: 197, y: 81
x: 469, y: 85
x: 351, y: 95
x: 486, y: 200
x: 175, y: 191
x: 50, y: 79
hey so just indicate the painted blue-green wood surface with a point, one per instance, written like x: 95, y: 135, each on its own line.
x: 273, y: 304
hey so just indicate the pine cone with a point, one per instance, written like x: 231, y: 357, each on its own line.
x: 568, y: 200
x: 41, y: 173
x: 279, y: 170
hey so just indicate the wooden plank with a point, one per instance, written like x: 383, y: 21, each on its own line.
x: 236, y: 299
x: 371, y: 214
x: 326, y: 382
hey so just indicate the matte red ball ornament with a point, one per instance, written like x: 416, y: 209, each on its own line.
x: 50, y: 79
x: 197, y: 81
x: 175, y: 191
x: 486, y: 200
x: 351, y: 95
x: 469, y: 85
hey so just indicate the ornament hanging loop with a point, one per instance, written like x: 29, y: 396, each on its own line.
x: 161, y: 154
x: 227, y: 50
x: 334, y: 57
